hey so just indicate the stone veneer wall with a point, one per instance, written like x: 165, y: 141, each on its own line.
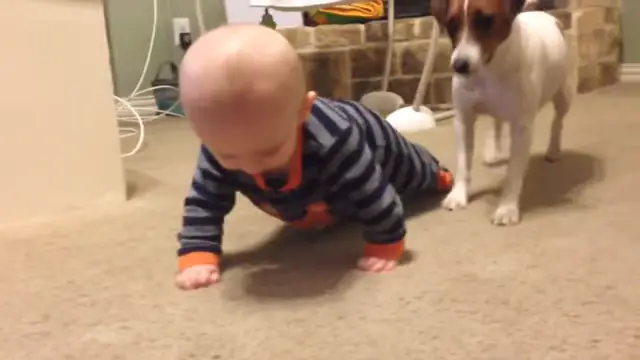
x: 347, y: 61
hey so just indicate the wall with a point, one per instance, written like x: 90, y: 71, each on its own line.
x: 353, y: 54
x: 630, y: 30
x: 53, y: 159
x: 129, y: 28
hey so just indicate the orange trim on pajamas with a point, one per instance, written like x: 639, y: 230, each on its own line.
x: 385, y: 251
x: 197, y: 258
x: 295, y: 169
x: 317, y: 216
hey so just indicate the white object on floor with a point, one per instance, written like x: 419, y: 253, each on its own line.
x: 408, y: 120
x: 382, y: 102
x: 292, y: 5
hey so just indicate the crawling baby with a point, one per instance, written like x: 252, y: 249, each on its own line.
x: 307, y: 160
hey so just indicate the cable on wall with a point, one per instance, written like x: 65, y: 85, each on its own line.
x: 126, y: 104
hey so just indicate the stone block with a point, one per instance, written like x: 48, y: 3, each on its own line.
x: 363, y: 86
x: 609, y: 40
x: 299, y: 37
x: 377, y: 31
x: 587, y: 20
x: 587, y: 49
x: 405, y: 30
x: 405, y: 86
x: 564, y: 17
x: 598, y: 3
x: 557, y: 4
x: 368, y: 61
x: 588, y: 77
x: 601, y: 42
x: 413, y: 55
x: 424, y: 27
x: 332, y: 36
x: 328, y: 72
x: 574, y: 60
x: 439, y: 91
x: 609, y: 71
x: 612, y: 16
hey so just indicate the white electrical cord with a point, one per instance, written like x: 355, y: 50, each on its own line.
x: 126, y: 103
x: 200, y: 17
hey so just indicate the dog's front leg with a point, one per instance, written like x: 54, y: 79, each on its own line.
x: 494, y: 153
x: 508, y: 211
x: 463, y: 127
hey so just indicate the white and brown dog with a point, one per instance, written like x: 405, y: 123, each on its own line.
x: 507, y: 63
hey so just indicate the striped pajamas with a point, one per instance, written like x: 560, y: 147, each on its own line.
x: 352, y: 166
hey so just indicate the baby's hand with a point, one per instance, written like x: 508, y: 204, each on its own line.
x: 198, y: 276
x: 373, y: 264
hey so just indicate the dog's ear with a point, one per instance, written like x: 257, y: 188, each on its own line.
x: 531, y: 5
x: 439, y: 9
x: 514, y: 7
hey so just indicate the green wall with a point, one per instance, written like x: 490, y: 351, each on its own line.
x: 631, y: 31
x: 129, y: 24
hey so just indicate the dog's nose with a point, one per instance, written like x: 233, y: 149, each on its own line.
x: 461, y: 66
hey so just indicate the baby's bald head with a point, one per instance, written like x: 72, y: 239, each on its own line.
x: 240, y: 62
x: 243, y: 84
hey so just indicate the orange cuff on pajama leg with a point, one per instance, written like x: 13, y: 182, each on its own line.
x: 391, y: 251
x: 197, y: 258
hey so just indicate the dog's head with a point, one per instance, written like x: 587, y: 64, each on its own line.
x: 476, y: 29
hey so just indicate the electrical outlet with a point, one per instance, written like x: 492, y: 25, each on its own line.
x: 180, y: 25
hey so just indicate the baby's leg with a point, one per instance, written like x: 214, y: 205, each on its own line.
x: 434, y: 177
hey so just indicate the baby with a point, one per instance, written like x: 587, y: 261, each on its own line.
x: 306, y: 160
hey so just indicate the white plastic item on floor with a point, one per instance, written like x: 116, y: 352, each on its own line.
x: 382, y: 102
x: 408, y: 120
x: 296, y: 5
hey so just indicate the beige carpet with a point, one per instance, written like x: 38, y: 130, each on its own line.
x: 98, y: 285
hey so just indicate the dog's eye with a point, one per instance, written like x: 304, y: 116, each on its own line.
x: 483, y: 22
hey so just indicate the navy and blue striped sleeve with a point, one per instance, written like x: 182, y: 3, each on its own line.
x: 209, y: 200
x: 353, y: 172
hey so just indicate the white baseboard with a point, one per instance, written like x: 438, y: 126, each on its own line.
x: 630, y: 73
x: 144, y: 106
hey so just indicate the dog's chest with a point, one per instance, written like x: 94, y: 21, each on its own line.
x: 488, y: 95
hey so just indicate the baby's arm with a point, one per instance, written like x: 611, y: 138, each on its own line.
x: 208, y: 202
x: 354, y: 173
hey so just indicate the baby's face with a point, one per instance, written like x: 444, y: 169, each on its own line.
x: 253, y: 140
x: 255, y: 151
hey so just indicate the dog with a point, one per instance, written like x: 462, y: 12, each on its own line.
x: 508, y: 62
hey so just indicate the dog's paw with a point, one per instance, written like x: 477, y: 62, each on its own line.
x: 506, y: 215
x: 457, y: 199
x: 493, y: 158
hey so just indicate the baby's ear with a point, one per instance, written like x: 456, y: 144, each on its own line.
x: 307, y: 104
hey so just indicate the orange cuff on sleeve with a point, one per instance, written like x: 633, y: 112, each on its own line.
x: 197, y: 258
x: 385, y: 251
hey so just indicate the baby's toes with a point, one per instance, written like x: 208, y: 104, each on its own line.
x: 371, y: 264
